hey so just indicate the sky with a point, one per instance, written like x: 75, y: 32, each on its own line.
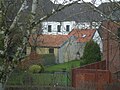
x: 97, y: 2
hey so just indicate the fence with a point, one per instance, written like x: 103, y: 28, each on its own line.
x: 96, y: 78
x: 84, y: 86
x: 44, y: 88
x: 41, y: 79
x: 97, y: 65
x: 92, y: 75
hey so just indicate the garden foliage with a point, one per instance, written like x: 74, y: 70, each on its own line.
x: 91, y: 53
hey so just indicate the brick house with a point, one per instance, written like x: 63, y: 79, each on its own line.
x: 111, y: 44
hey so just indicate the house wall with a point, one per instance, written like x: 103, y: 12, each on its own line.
x: 98, y: 39
x: 83, y: 25
x: 73, y: 24
x: 88, y: 25
x: 68, y: 51
x: 111, y: 46
x: 80, y: 48
x: 54, y: 27
x: 46, y: 51
x: 43, y: 51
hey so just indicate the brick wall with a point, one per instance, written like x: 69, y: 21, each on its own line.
x: 111, y: 45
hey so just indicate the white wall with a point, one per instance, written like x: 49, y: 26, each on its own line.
x: 83, y: 25
x: 98, y: 39
x: 88, y: 25
x: 73, y: 24
x: 67, y: 51
x: 54, y: 27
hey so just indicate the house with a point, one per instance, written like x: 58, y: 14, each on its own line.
x: 49, y: 44
x: 109, y: 31
x: 64, y: 47
x: 78, y: 15
x: 83, y: 36
x: 56, y: 27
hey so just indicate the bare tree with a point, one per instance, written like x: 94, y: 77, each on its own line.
x: 19, y: 18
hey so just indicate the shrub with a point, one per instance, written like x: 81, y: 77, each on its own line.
x: 91, y: 53
x: 48, y: 59
x: 36, y: 68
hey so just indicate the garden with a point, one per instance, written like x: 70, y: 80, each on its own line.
x: 58, y: 74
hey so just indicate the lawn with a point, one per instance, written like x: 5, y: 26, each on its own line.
x: 64, y: 66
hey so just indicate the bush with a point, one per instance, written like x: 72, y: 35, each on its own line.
x: 91, y: 53
x: 48, y: 59
x: 36, y: 68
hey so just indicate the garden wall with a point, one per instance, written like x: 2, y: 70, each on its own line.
x: 91, y: 75
x: 90, y: 78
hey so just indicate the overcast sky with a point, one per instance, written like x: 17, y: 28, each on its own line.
x: 97, y: 2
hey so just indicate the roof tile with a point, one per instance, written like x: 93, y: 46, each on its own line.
x: 48, y: 40
x: 83, y: 35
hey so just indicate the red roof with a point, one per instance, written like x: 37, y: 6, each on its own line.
x: 48, y: 40
x: 57, y: 40
x: 83, y: 35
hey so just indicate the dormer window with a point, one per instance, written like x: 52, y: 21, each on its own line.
x: 49, y: 28
x: 58, y: 28
x: 84, y: 35
x: 67, y: 28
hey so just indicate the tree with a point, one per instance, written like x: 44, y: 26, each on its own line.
x: 18, y: 19
x: 91, y: 53
x: 17, y: 23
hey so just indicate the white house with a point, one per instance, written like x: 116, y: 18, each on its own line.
x: 52, y: 27
x: 63, y: 28
x: 78, y: 15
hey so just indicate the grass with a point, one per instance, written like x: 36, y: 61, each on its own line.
x: 42, y: 79
x: 50, y: 78
x: 16, y: 79
x: 64, y: 66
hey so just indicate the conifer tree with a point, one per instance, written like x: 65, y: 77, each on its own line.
x: 91, y: 53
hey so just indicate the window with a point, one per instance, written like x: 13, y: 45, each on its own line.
x: 58, y: 28
x: 67, y: 28
x: 49, y: 28
x: 51, y: 50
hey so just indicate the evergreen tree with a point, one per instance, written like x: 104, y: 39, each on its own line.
x: 91, y: 53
